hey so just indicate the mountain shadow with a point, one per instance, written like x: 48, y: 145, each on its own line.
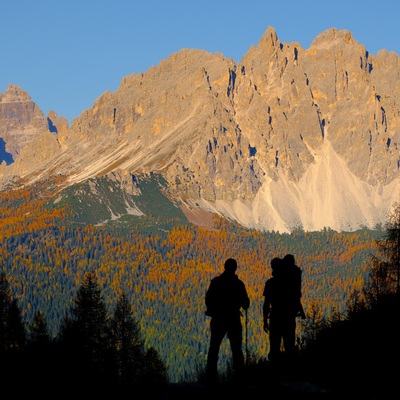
x: 4, y: 156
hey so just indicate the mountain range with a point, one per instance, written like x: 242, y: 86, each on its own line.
x: 286, y: 138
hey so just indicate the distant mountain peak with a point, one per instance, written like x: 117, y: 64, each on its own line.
x: 286, y: 138
x: 14, y: 93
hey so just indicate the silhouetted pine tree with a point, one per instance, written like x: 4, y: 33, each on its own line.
x: 12, y: 329
x: 5, y: 303
x: 87, y: 324
x: 128, y: 344
x: 41, y: 359
x: 135, y: 368
x: 155, y: 370
x: 357, y: 352
x: 38, y: 333
x: 84, y: 340
x: 384, y: 276
x: 16, y: 327
x: 12, y: 341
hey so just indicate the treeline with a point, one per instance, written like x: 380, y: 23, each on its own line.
x: 94, y: 354
x: 353, y: 354
x: 164, y: 274
x: 165, y: 277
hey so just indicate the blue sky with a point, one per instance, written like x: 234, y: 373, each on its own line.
x: 66, y: 53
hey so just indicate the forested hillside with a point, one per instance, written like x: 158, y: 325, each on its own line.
x: 165, y: 270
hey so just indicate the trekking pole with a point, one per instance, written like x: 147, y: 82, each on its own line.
x: 247, y: 349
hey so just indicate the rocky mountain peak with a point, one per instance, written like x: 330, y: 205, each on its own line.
x: 287, y: 138
x: 269, y: 39
x: 21, y: 122
x: 333, y: 36
x: 14, y: 94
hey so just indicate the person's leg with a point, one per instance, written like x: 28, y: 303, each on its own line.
x: 218, y: 331
x: 274, y: 340
x: 235, y: 339
x: 289, y: 336
x: 289, y: 341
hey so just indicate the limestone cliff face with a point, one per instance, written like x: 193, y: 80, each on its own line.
x: 27, y: 138
x: 20, y: 120
x: 285, y: 138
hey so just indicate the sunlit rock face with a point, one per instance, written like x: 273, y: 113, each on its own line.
x: 285, y: 138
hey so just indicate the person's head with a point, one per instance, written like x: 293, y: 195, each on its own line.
x: 230, y: 265
x: 275, y: 264
x: 289, y: 259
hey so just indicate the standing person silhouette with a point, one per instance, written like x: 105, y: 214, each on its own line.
x: 224, y: 299
x: 281, y: 307
x: 293, y: 273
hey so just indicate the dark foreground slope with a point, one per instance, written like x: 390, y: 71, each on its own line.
x: 262, y: 381
x: 354, y: 357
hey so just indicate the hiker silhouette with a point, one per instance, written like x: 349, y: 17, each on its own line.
x: 293, y: 273
x: 282, y: 304
x: 225, y: 297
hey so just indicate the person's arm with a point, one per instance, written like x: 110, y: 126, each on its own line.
x: 245, y: 299
x: 266, y: 308
x: 209, y: 300
x: 301, y: 312
x: 298, y: 273
x: 266, y: 311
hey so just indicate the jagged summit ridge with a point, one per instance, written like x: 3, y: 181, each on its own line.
x: 286, y: 138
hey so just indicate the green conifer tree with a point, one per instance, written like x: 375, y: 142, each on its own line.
x: 85, y: 340
x: 128, y: 343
